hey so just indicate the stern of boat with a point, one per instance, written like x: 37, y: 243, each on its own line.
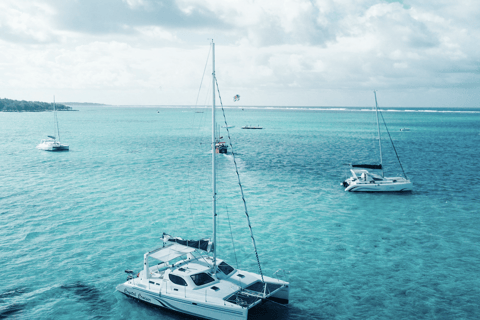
x: 61, y: 148
x: 259, y: 292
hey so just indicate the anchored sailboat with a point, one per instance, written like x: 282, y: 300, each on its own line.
x: 188, y: 277
x: 363, y: 180
x: 53, y: 144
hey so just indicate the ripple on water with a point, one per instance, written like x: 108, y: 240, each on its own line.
x: 73, y: 222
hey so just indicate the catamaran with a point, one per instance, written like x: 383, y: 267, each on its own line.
x: 53, y: 144
x: 363, y: 180
x: 188, y: 277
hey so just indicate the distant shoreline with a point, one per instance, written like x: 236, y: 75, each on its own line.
x: 8, y: 105
x: 12, y: 111
x: 302, y: 108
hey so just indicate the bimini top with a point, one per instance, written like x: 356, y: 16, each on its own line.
x: 202, y: 244
x: 166, y: 254
x: 367, y: 166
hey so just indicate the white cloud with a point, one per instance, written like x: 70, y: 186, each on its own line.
x: 26, y: 21
x: 135, y: 3
x: 269, y: 50
x: 154, y: 32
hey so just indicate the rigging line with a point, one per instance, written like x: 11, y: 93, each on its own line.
x: 393, y: 145
x: 58, y: 128
x: 203, y: 75
x: 54, y: 121
x: 374, y: 139
x: 202, y: 119
x: 240, y: 184
x: 231, y: 234
x: 192, y: 215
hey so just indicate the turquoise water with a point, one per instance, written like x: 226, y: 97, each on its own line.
x: 72, y: 222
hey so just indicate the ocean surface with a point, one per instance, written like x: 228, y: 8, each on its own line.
x: 72, y: 222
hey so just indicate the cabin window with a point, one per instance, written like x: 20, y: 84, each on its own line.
x: 201, y: 278
x: 177, y: 280
x: 226, y: 268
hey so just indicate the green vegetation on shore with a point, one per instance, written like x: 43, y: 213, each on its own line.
x: 8, y: 105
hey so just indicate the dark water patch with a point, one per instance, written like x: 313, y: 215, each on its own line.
x: 9, y: 306
x: 270, y: 310
x: 90, y: 296
x: 12, y: 293
x: 82, y: 291
x: 11, y: 311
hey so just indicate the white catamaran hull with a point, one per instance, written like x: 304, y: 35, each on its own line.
x: 399, y: 186
x: 53, y: 147
x: 178, y: 302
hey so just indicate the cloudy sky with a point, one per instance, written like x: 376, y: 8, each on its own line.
x: 422, y: 53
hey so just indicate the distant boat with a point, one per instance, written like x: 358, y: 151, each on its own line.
x: 221, y: 147
x: 363, y: 180
x: 405, y: 129
x: 198, y: 111
x: 52, y: 144
x: 229, y: 127
x: 252, y: 127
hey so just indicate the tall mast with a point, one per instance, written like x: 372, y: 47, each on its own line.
x: 55, y: 119
x: 214, y: 186
x: 378, y: 128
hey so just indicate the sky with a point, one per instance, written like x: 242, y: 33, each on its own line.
x: 422, y: 53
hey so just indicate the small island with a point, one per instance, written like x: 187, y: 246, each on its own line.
x: 8, y: 105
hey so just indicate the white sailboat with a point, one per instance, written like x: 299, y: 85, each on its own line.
x: 363, y: 180
x: 52, y: 143
x: 188, y: 277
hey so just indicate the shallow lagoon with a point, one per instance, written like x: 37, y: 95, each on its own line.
x: 73, y: 222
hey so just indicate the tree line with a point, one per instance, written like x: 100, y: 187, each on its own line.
x: 9, y: 105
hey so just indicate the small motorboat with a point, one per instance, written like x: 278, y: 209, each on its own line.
x: 252, y: 127
x: 221, y: 147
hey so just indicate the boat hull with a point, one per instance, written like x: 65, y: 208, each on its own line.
x: 180, y: 304
x: 221, y: 149
x: 281, y: 296
x: 376, y: 187
x: 52, y: 147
